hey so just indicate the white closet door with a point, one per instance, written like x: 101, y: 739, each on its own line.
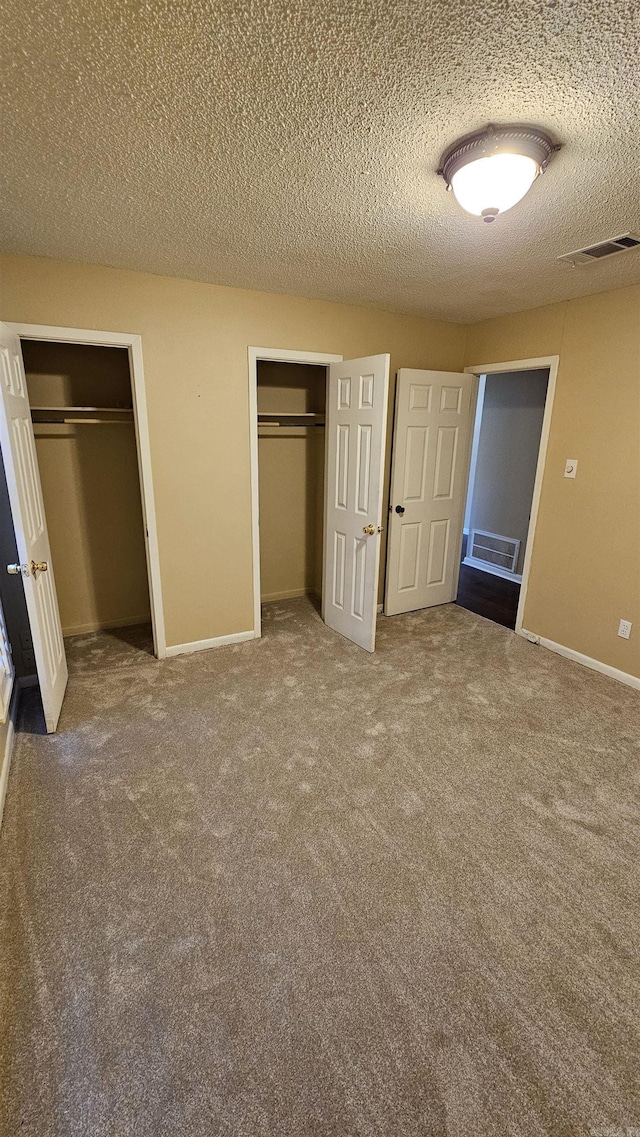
x: 431, y: 438
x: 32, y: 539
x: 7, y: 670
x: 356, y: 421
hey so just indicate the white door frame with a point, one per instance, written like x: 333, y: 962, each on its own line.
x: 271, y: 355
x: 475, y: 439
x: 133, y: 343
x: 552, y: 362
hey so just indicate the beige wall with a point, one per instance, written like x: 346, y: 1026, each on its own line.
x: 194, y: 341
x: 586, y: 558
x: 585, y: 570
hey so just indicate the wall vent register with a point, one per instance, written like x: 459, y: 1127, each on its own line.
x: 502, y: 552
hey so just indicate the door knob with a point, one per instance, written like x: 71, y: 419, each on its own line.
x: 399, y: 508
x: 369, y: 530
x: 34, y: 568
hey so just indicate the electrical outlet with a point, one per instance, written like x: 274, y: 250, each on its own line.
x: 570, y: 467
x: 624, y: 629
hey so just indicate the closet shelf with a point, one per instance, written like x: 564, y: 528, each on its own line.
x: 77, y: 415
x: 291, y: 418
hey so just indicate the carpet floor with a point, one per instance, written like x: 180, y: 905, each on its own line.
x: 289, y: 889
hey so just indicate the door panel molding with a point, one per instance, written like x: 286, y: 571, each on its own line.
x: 356, y: 408
x: 32, y: 539
x: 431, y: 439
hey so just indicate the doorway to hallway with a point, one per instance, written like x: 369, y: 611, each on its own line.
x: 504, y: 460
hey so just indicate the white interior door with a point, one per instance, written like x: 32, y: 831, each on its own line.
x: 32, y: 539
x: 357, y: 398
x: 431, y: 438
x: 7, y: 670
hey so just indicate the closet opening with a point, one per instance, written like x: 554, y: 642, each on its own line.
x: 288, y: 392
x: 291, y: 405
x: 317, y: 426
x: 85, y: 437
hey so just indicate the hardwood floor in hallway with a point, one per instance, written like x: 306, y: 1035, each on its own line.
x: 488, y: 595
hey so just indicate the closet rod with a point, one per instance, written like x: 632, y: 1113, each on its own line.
x: 83, y: 421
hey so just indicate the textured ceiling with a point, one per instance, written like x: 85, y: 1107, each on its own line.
x: 291, y: 146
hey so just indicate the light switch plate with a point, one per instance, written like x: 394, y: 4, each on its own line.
x: 570, y: 467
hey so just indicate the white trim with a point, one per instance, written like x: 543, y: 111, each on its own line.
x: 584, y: 660
x: 141, y: 423
x: 8, y: 746
x: 204, y: 645
x: 275, y: 355
x: 493, y: 570
x: 552, y: 362
x: 475, y: 446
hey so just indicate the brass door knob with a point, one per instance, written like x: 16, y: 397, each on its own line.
x: 38, y: 566
x: 369, y: 530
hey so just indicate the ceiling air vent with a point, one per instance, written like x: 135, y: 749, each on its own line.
x: 603, y: 249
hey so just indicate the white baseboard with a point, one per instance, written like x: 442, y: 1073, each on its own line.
x: 585, y: 660
x: 106, y: 625
x: 7, y: 734
x: 494, y: 570
x: 204, y: 645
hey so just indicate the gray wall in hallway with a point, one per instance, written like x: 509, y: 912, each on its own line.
x: 508, y: 448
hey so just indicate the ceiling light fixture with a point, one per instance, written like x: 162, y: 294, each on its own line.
x: 492, y: 169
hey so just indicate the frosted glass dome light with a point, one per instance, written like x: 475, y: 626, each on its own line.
x: 494, y: 183
x: 493, y: 169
